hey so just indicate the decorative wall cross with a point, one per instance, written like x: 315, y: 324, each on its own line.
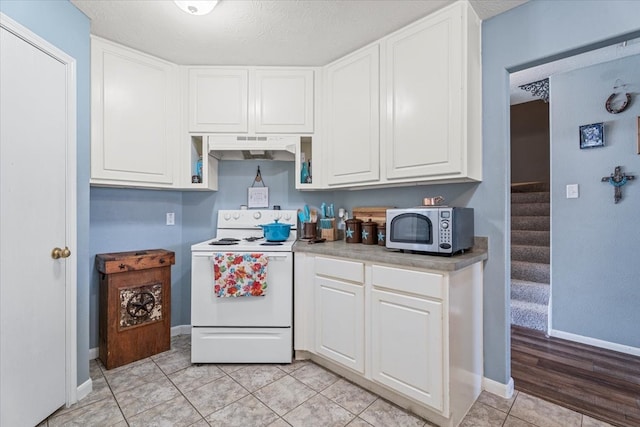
x: 618, y: 179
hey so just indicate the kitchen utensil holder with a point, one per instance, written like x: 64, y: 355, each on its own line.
x: 329, y: 233
x: 309, y: 230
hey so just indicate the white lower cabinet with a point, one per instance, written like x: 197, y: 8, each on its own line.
x: 340, y: 322
x: 413, y: 336
x: 339, y: 311
x: 407, y: 347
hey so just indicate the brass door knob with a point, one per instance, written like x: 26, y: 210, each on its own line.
x: 57, y: 253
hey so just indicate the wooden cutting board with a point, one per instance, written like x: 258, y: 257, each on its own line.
x: 377, y: 214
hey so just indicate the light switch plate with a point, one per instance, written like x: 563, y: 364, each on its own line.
x: 572, y: 191
x: 171, y: 218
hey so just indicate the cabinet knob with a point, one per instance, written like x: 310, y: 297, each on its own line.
x: 122, y: 266
x: 161, y: 261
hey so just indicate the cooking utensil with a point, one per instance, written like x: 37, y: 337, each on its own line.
x: 307, y: 213
x: 323, y: 210
x: 301, y: 216
x: 276, y: 232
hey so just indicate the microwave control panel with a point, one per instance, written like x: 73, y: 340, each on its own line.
x: 445, y: 234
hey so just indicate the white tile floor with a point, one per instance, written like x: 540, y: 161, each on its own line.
x: 167, y: 390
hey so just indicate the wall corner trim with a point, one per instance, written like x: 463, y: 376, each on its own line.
x: 627, y: 349
x: 499, y: 389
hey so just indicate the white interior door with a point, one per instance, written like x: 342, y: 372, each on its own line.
x: 37, y: 133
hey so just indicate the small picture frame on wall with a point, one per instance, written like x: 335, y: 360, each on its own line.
x: 592, y: 135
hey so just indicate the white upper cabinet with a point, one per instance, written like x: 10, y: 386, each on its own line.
x: 352, y: 143
x: 283, y: 101
x: 433, y: 105
x: 218, y: 100
x: 134, y: 117
x: 250, y: 100
x: 408, y: 108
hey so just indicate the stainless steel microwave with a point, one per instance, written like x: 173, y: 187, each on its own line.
x: 430, y: 229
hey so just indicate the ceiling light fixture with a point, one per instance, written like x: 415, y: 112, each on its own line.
x: 196, y: 7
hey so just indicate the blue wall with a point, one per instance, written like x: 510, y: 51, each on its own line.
x: 125, y: 220
x: 65, y: 27
x: 531, y: 34
x: 595, y: 269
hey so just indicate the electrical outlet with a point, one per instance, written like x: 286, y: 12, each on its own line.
x: 572, y: 191
x: 171, y: 218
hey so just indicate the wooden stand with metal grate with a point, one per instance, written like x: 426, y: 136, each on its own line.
x: 135, y: 305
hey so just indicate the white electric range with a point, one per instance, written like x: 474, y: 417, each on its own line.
x: 244, y: 329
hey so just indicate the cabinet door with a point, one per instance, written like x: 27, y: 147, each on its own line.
x: 134, y: 117
x: 218, y: 100
x: 424, y: 91
x: 340, y: 322
x: 284, y: 101
x: 407, y: 352
x: 353, y: 118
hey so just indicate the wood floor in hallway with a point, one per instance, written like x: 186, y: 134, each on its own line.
x: 600, y: 383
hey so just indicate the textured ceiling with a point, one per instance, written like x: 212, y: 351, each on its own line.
x: 261, y: 32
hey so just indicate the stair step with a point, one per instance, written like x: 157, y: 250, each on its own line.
x: 529, y: 209
x: 527, y: 187
x: 529, y: 315
x: 531, y: 238
x: 534, y: 223
x: 530, y: 271
x: 531, y: 197
x: 541, y: 254
x: 534, y: 292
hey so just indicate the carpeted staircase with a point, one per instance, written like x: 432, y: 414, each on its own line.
x: 530, y: 256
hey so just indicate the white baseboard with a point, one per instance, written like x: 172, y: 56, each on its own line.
x: 634, y: 351
x: 94, y: 353
x: 84, y: 389
x: 181, y: 330
x: 499, y: 389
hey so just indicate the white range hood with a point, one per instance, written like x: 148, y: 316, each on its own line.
x: 243, y: 147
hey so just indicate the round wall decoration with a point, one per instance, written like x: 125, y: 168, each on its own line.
x: 621, y: 108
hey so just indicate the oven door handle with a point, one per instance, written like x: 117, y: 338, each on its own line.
x: 276, y: 257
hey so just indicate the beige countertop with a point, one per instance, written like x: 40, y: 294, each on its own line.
x: 380, y: 254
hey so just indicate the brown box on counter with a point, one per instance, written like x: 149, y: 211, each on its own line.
x: 377, y: 214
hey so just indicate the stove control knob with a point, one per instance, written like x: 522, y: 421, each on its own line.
x: 236, y: 215
x: 277, y: 215
x: 287, y: 217
x: 227, y: 217
x: 257, y: 215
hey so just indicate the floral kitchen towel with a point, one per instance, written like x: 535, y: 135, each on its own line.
x: 239, y: 275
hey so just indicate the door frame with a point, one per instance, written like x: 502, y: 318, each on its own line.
x: 71, y: 269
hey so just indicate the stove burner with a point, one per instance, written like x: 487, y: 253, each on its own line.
x: 223, y: 243
x: 252, y: 239
x: 271, y: 244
